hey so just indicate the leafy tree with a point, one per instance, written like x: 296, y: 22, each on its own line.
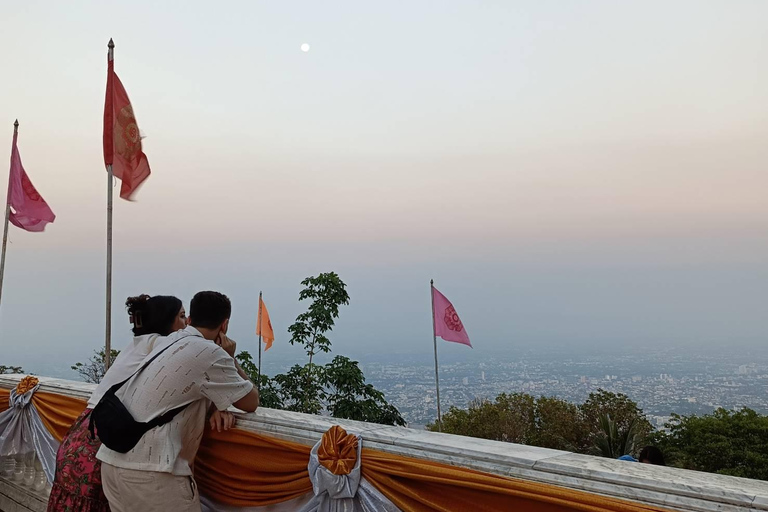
x: 348, y: 395
x: 327, y: 292
x: 94, y: 369
x: 612, y: 442
x: 558, y: 425
x: 553, y: 423
x: 301, y: 389
x: 510, y: 417
x: 726, y: 442
x: 337, y: 388
x: 623, y: 411
x: 268, y: 393
x: 10, y: 369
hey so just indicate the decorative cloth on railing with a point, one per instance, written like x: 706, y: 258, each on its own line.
x: 334, y: 469
x: 337, y: 485
x: 23, y: 432
x: 239, y: 469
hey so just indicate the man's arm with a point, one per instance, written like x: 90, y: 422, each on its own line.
x: 249, y: 402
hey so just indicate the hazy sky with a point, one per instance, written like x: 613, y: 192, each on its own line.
x: 573, y: 173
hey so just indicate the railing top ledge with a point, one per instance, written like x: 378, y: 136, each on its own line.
x: 671, y: 487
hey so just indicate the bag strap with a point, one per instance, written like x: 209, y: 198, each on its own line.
x: 160, y: 420
x: 117, y: 386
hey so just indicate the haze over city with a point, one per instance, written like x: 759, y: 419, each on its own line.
x: 570, y: 174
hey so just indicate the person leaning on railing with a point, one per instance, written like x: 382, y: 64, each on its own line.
x: 77, y: 484
x: 187, y: 371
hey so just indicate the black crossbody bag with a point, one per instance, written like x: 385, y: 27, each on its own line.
x: 115, y: 426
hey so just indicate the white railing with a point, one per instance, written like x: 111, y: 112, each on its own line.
x: 664, y: 486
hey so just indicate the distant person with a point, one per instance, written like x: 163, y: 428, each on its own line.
x: 77, y: 484
x: 197, y: 370
x: 651, y: 455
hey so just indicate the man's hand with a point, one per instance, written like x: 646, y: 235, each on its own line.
x: 222, y: 420
x: 229, y: 345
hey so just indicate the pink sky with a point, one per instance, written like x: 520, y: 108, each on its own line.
x: 471, y: 143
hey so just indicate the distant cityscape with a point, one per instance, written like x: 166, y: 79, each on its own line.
x: 661, y: 382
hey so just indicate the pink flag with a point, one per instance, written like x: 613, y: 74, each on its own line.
x: 29, y: 211
x: 447, y: 322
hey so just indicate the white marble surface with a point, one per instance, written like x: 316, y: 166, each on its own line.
x: 669, y: 487
x: 17, y: 498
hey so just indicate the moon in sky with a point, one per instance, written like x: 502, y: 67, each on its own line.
x: 305, y: 47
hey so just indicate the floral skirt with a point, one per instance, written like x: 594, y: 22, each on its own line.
x: 77, y: 485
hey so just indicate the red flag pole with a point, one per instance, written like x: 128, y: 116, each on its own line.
x: 434, y: 339
x: 7, y: 216
x: 110, y: 186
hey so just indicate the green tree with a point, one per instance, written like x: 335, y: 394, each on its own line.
x: 550, y: 422
x: 339, y: 387
x: 301, y: 389
x: 10, y: 369
x: 613, y: 442
x: 558, y: 425
x: 510, y: 418
x: 622, y: 410
x: 327, y: 293
x: 268, y: 392
x: 94, y: 369
x: 348, y: 395
x: 726, y: 442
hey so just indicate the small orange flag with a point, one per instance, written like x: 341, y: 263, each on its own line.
x: 264, y: 326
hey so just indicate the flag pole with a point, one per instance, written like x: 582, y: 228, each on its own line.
x: 434, y: 339
x: 110, y: 178
x: 7, y: 217
x: 258, y: 322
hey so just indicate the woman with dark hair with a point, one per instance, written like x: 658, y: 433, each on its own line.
x: 77, y: 484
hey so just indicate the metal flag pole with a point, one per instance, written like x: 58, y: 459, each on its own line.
x: 7, y: 216
x: 258, y: 322
x: 110, y: 178
x: 434, y: 339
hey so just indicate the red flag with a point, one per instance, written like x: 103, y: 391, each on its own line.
x: 447, y: 322
x: 122, y: 142
x: 29, y: 211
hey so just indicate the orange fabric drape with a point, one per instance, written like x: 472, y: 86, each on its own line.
x: 417, y: 485
x: 338, y: 451
x: 58, y: 412
x: 243, y: 468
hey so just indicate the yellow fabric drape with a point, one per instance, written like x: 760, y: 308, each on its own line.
x: 243, y: 468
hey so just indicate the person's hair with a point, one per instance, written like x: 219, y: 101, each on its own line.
x: 653, y: 455
x: 209, y: 309
x: 153, y: 315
